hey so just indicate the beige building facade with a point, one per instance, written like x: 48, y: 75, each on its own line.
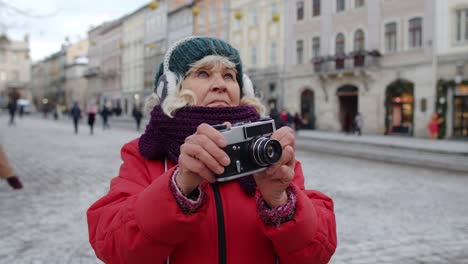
x: 370, y: 57
x: 211, y: 18
x: 15, y: 65
x: 452, y: 66
x: 257, y: 30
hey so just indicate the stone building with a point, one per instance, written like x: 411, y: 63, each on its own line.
x: 372, y: 57
x: 257, y: 29
x: 15, y: 65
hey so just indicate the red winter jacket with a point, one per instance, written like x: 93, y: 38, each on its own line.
x: 139, y: 222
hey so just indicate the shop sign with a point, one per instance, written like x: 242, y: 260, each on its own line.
x: 462, y: 90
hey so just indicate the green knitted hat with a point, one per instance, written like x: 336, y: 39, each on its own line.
x: 189, y: 50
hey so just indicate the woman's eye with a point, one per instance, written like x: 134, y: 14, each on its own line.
x: 202, y: 74
x: 229, y: 76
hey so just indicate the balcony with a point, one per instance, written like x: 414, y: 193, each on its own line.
x: 346, y: 63
x: 92, y: 72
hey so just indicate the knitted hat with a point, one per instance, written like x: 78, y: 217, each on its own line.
x: 189, y: 50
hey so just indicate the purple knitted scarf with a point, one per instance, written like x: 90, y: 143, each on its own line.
x: 164, y: 135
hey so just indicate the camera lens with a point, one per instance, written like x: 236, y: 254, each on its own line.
x: 265, y: 151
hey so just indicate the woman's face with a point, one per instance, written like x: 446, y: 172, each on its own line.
x: 214, y: 86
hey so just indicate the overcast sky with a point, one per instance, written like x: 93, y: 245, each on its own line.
x: 72, y: 18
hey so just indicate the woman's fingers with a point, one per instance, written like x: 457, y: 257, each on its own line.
x: 285, y: 136
x: 287, y: 158
x: 199, y: 153
x: 213, y: 134
x: 195, y: 166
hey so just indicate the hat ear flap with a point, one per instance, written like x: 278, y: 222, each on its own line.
x: 247, y: 88
x: 167, y: 84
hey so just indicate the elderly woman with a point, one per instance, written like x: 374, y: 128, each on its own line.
x: 166, y: 205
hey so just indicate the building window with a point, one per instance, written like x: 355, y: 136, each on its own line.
x: 238, y: 24
x: 254, y: 56
x: 2, y: 56
x: 3, y: 76
x: 359, y: 40
x: 254, y: 18
x: 15, y: 76
x: 274, y: 9
x: 201, y: 18
x: 273, y: 53
x: 300, y: 10
x: 462, y: 25
x: 299, y: 51
x: 316, y: 47
x: 359, y: 3
x: 340, y: 44
x: 415, y: 32
x: 391, y: 37
x: 340, y: 5
x: 316, y: 7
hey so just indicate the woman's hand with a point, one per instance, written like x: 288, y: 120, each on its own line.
x: 272, y: 183
x: 201, y: 157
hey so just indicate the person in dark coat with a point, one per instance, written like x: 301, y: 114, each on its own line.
x: 275, y: 115
x: 105, y: 113
x: 76, y: 115
x: 12, y: 111
x: 138, y: 115
x: 91, y: 111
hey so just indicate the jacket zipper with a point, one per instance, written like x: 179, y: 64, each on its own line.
x: 220, y: 219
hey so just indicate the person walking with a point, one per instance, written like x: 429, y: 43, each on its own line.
x: 297, y: 121
x: 12, y: 111
x: 105, y: 113
x: 6, y: 172
x: 91, y: 111
x: 76, y: 115
x: 433, y: 126
x: 166, y: 205
x: 358, y: 124
x: 137, y: 115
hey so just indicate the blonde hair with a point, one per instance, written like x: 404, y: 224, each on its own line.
x: 184, y: 97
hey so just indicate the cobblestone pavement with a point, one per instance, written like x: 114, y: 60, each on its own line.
x: 386, y: 213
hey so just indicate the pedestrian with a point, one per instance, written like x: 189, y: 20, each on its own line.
x: 105, y: 113
x: 12, y: 110
x: 275, y: 115
x: 358, y: 124
x: 6, y: 172
x: 433, y: 125
x: 138, y: 115
x: 91, y: 111
x: 165, y: 206
x: 76, y: 115
x: 297, y: 121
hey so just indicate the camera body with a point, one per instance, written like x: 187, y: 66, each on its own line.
x: 249, y: 147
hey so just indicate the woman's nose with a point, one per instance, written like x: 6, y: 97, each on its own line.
x: 218, y: 84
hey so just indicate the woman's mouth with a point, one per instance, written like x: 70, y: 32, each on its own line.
x: 218, y: 103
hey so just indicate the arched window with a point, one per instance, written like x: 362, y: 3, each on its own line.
x: 391, y: 37
x: 415, y: 32
x: 359, y: 40
x: 340, y: 44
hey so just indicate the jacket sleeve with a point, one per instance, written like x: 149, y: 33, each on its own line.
x: 138, y: 220
x: 310, y: 237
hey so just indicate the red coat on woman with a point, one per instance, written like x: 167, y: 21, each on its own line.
x: 139, y: 221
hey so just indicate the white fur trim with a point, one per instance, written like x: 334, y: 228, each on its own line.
x: 248, y: 86
x: 171, y: 83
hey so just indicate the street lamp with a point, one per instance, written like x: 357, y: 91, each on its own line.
x: 153, y: 5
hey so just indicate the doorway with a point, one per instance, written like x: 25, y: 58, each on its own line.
x: 348, y: 106
x: 308, y: 109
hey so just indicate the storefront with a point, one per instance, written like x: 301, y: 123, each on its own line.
x: 400, y: 108
x: 460, y: 111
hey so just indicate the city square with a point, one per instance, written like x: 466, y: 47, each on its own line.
x: 385, y: 213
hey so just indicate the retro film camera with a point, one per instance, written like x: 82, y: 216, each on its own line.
x: 249, y: 147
